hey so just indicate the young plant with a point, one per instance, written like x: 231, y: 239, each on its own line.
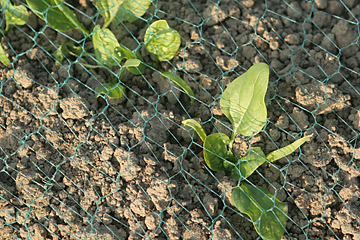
x: 164, y: 42
x: 243, y: 103
x: 14, y: 15
x: 56, y: 14
x: 107, y: 49
x: 160, y: 40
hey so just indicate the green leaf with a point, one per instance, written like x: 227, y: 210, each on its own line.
x: 132, y: 63
x: 131, y: 10
x: 108, y: 9
x: 243, y: 101
x: 246, y: 165
x: 56, y: 14
x: 14, y: 15
x: 162, y: 41
x: 134, y: 66
x: 121, y: 53
x: 105, y: 42
x: 179, y: 81
x: 122, y: 10
x: 113, y: 90
x: 196, y: 126
x: 107, y: 49
x: 283, y: 152
x: 3, y: 58
x: 268, y: 216
x: 216, y: 151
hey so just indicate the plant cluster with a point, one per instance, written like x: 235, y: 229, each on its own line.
x: 160, y: 40
x: 243, y: 103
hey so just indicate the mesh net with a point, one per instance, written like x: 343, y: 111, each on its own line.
x: 74, y: 166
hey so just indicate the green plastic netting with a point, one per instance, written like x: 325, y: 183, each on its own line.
x: 74, y: 166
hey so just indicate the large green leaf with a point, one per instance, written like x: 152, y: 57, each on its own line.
x: 283, y: 152
x: 109, y: 52
x: 267, y: 214
x: 179, y: 81
x: 56, y: 14
x: 122, y: 10
x: 161, y: 40
x: 3, y: 58
x: 113, y: 90
x: 196, y: 126
x: 107, y: 48
x: 246, y: 165
x: 105, y: 42
x: 14, y: 15
x: 243, y: 101
x: 216, y: 151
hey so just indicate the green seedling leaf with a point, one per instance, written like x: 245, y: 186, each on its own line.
x: 105, y: 44
x: 243, y: 101
x: 134, y: 66
x: 131, y: 10
x: 283, y: 152
x: 196, y: 126
x: 246, y: 165
x: 14, y: 15
x: 122, y: 10
x: 132, y: 63
x: 121, y: 53
x: 3, y: 58
x: 179, y: 81
x: 56, y: 14
x: 216, y: 150
x: 108, y: 9
x: 268, y: 215
x: 162, y: 41
x: 107, y: 49
x: 112, y: 90
x: 70, y: 15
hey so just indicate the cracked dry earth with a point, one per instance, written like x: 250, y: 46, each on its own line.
x: 77, y: 167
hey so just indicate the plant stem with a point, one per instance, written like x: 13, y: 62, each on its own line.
x: 232, y: 140
x: 107, y: 23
